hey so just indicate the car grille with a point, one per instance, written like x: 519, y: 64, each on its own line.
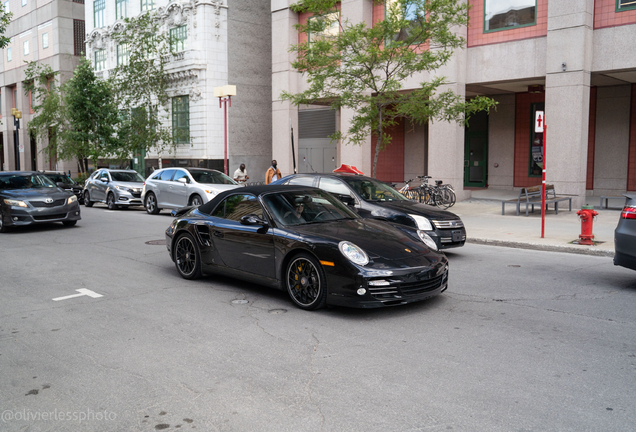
x: 55, y: 203
x: 448, y: 224
x: 50, y: 217
x: 136, y: 194
x: 401, y: 288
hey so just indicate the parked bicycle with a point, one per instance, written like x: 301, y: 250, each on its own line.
x: 440, y: 195
x: 409, y: 192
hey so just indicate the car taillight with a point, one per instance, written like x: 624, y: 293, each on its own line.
x: 628, y: 213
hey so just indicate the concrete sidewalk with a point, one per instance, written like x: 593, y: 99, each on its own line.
x: 486, y: 225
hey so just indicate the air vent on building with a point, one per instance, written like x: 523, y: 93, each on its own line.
x: 316, y: 123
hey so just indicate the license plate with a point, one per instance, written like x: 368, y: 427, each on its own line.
x: 457, y: 236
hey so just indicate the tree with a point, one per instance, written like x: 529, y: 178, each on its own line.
x: 140, y: 85
x: 79, y: 117
x: 92, y: 116
x: 5, y: 19
x: 49, y: 116
x: 351, y: 65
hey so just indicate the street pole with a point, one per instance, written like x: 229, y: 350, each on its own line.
x: 225, y: 93
x: 545, y: 135
x: 17, y: 115
x: 223, y: 103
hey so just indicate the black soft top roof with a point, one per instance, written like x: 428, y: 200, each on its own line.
x: 253, y: 190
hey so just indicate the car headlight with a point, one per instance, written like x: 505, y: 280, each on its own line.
x: 125, y: 189
x: 71, y: 199
x: 15, y: 203
x: 428, y: 241
x: 210, y: 192
x: 353, y: 253
x: 170, y: 230
x: 422, y: 223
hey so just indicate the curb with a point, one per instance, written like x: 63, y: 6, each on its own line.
x: 583, y: 250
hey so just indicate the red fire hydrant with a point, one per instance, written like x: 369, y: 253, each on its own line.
x: 586, y: 214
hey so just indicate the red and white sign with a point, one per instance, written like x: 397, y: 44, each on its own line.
x: 539, y: 122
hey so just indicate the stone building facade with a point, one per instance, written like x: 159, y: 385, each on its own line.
x: 50, y: 32
x: 574, y: 60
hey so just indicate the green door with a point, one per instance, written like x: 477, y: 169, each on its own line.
x: 475, y: 159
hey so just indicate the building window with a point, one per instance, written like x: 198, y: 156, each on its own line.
x: 121, y: 9
x: 147, y: 5
x: 6, y: 7
x: 25, y: 46
x: 78, y: 37
x: 408, y: 12
x: 178, y: 38
x: 181, y: 119
x: 9, y: 56
x: 23, y: 2
x: 507, y: 15
x: 45, y: 40
x: 100, y: 60
x: 622, y: 5
x: 122, y: 54
x: 98, y: 13
x: 329, y: 32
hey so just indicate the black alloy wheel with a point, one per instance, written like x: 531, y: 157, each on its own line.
x: 196, y: 201
x: 306, y: 283
x: 69, y: 223
x: 110, y: 202
x: 151, y: 204
x: 187, y: 257
x: 87, y: 199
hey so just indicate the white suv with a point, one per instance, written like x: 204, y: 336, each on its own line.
x: 179, y: 187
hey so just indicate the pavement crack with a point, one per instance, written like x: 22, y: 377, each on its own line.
x: 314, y: 374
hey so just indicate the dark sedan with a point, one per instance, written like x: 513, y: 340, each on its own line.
x: 625, y: 235
x: 28, y: 198
x: 62, y: 180
x: 375, y: 199
x: 308, y: 243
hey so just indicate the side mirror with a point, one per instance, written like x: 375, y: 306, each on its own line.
x: 347, y: 199
x: 182, y: 180
x: 253, y: 220
x: 104, y: 179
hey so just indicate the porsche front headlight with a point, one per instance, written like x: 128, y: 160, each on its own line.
x: 428, y: 241
x: 353, y: 253
x: 422, y: 223
x: 15, y: 203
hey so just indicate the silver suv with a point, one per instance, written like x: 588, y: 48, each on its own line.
x: 178, y: 187
x: 116, y: 188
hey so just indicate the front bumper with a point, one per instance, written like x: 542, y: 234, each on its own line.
x: 404, y: 286
x: 19, y: 216
x: 448, y: 238
x: 128, y: 199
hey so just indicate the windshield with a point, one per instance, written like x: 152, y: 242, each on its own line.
x: 25, y: 181
x: 60, y: 178
x: 126, y: 176
x: 374, y: 190
x: 306, y: 207
x: 211, y: 177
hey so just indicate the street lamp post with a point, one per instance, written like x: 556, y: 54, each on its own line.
x: 17, y: 115
x: 225, y: 93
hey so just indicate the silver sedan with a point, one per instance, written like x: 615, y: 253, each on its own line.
x: 171, y: 188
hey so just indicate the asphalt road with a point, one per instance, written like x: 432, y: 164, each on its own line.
x: 521, y: 341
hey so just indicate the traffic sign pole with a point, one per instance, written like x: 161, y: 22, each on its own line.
x: 545, y: 134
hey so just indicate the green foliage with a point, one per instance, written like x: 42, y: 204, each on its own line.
x: 5, y: 20
x: 79, y: 117
x: 141, y: 88
x: 91, y: 114
x: 364, y: 68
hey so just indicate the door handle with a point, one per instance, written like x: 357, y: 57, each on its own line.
x: 218, y: 234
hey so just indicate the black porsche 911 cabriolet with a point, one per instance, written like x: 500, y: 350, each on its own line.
x: 307, y: 242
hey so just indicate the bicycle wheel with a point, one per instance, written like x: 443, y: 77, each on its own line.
x: 452, y: 197
x: 442, y: 199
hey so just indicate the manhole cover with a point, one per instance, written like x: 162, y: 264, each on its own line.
x: 156, y: 242
x: 277, y: 311
x: 239, y: 301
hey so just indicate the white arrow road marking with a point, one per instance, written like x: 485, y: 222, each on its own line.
x: 82, y: 292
